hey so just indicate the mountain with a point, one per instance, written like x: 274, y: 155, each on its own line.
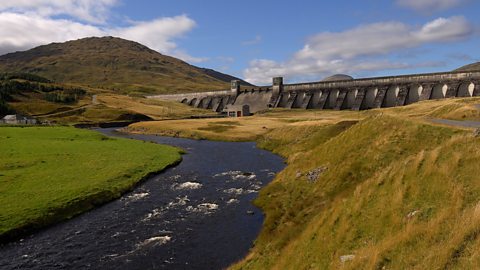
x: 223, y: 77
x: 113, y: 63
x: 470, y: 67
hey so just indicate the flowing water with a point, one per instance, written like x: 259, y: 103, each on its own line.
x: 197, y: 215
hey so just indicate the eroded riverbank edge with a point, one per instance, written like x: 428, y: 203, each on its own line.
x: 78, y: 206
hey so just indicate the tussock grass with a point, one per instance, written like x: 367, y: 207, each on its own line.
x: 398, y: 194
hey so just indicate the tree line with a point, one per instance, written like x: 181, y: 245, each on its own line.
x: 12, y: 84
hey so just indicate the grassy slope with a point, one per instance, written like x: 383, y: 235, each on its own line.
x: 108, y: 108
x: 242, y: 129
x: 379, y: 171
x: 156, y: 109
x: 399, y: 192
x: 114, y: 63
x: 50, y: 174
x: 470, y: 67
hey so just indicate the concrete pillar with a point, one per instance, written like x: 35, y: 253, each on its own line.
x: 452, y: 89
x: 466, y: 89
x: 382, y: 91
x: 299, y: 100
x: 217, y: 104
x: 357, y: 104
x: 414, y: 93
x: 315, y: 100
x: 439, y: 91
x: 235, y: 87
x: 350, y: 98
x: 476, y: 91
x: 391, y: 95
x: 291, y: 99
x: 307, y: 101
x: 277, y: 86
x: 402, y: 95
x: 277, y: 89
x: 427, y: 91
x: 332, y: 99
x: 322, y: 103
x: 342, y: 95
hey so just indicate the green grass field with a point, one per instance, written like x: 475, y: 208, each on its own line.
x: 48, y: 174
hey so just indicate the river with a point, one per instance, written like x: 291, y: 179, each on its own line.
x: 197, y: 215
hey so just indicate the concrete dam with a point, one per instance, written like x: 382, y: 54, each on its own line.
x: 339, y: 92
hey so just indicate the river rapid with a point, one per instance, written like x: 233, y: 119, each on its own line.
x: 197, y: 215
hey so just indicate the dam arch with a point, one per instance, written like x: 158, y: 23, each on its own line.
x: 192, y: 102
x: 369, y: 100
x: 350, y: 99
x: 299, y: 100
x: 414, y: 93
x: 332, y: 99
x: 314, y: 102
x: 391, y: 95
x: 466, y: 90
x: 439, y: 91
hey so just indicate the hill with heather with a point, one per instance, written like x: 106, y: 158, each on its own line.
x: 113, y: 63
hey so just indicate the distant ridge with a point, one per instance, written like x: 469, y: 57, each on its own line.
x: 469, y: 67
x: 223, y: 77
x: 114, y: 63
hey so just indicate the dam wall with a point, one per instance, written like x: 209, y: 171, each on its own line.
x: 343, y: 94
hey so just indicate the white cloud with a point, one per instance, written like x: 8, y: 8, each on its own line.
x: 28, y: 25
x: 95, y: 11
x: 355, y: 50
x: 21, y: 32
x: 429, y: 5
x: 160, y: 34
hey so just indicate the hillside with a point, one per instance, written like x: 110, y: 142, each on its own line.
x: 470, y: 67
x: 113, y: 63
x: 376, y: 189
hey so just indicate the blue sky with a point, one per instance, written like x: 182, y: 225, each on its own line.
x: 256, y: 40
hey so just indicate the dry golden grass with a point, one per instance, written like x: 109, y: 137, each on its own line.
x: 399, y: 193
x: 35, y: 104
x: 244, y: 128
x: 155, y: 109
x: 455, y: 109
x: 252, y: 128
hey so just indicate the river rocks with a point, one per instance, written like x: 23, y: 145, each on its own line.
x: 233, y: 200
x: 234, y: 191
x: 157, y: 240
x: 187, y: 186
x: 205, y: 208
x: 312, y: 176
